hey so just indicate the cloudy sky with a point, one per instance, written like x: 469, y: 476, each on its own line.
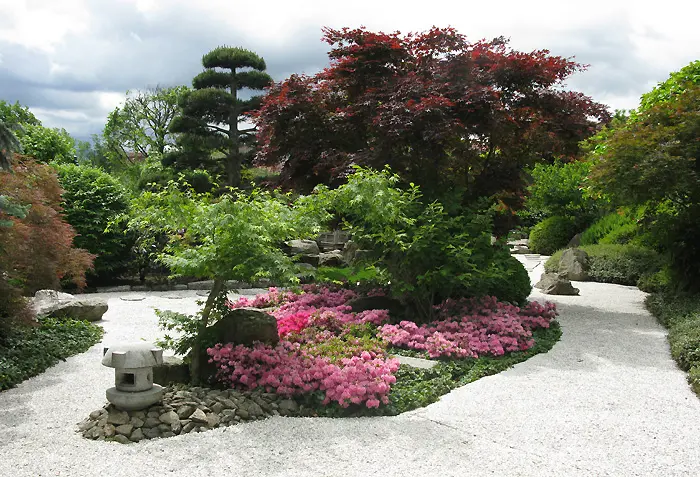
x: 71, y: 61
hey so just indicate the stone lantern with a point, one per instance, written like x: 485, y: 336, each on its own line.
x: 133, y: 375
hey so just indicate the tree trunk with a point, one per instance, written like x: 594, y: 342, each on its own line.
x: 196, y: 363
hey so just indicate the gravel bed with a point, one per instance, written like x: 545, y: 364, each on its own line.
x: 607, y: 400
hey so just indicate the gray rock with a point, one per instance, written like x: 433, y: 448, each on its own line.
x: 50, y: 303
x: 97, y: 414
x: 243, y: 413
x: 139, y: 414
x: 303, y: 247
x: 217, y: 407
x: 187, y: 428
x: 87, y: 425
x: 397, y: 311
x: 575, y: 241
x: 124, y: 429
x: 179, y: 287
x: 332, y: 240
x: 136, y: 422
x: 252, y: 407
x: 118, y: 417
x: 168, y: 434
x: 213, y: 420
x: 184, y: 412
x: 331, y: 259
x: 137, y: 435
x: 173, y: 370
x: 151, y: 422
x: 244, y: 326
x: 201, y: 285
x: 574, y: 264
x: 109, y: 430
x: 169, y: 417
x: 121, y: 439
x: 139, y: 288
x: 554, y: 284
x: 151, y: 433
x: 228, y: 403
x: 198, y: 416
x: 176, y: 427
x: 288, y: 405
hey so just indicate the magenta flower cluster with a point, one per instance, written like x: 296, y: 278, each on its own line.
x: 319, y: 319
x: 472, y: 328
x: 289, y: 371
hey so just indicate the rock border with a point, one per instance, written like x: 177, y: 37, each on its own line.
x: 183, y: 410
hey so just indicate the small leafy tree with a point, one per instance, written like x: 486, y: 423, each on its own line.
x: 142, y: 125
x: 91, y: 200
x: 653, y: 161
x: 233, y: 237
x: 559, y: 190
x: 38, y: 248
x: 47, y: 144
x: 211, y: 113
x: 428, y: 255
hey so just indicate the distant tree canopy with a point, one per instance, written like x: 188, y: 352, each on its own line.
x: 142, y: 125
x: 210, y: 116
x: 443, y: 112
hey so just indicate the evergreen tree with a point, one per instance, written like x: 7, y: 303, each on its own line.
x: 8, y: 145
x: 210, y: 114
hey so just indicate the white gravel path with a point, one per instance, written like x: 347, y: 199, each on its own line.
x: 607, y: 400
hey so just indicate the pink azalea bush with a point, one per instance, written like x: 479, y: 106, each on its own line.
x: 473, y: 328
x: 290, y: 371
x: 326, y: 347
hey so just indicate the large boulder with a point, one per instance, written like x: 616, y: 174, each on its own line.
x: 333, y: 258
x: 172, y: 370
x: 397, y: 311
x: 555, y: 284
x: 51, y: 303
x: 574, y: 264
x: 244, y: 326
x: 329, y: 241
x: 303, y: 247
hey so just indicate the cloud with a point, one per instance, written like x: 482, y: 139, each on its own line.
x: 69, y: 61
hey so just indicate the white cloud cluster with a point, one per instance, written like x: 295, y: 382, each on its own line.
x: 72, y: 60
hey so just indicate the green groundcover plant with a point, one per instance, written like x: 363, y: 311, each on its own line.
x: 680, y: 313
x: 29, y: 350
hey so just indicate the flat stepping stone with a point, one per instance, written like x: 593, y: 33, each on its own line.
x: 416, y: 362
x: 132, y: 298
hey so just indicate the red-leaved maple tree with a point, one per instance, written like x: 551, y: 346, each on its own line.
x: 442, y: 112
x: 37, y: 250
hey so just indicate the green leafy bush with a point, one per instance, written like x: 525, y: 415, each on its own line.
x: 27, y: 351
x: 426, y: 253
x: 680, y: 313
x: 617, y: 227
x: 551, y: 234
x: 91, y: 200
x: 557, y: 190
x: 621, y: 264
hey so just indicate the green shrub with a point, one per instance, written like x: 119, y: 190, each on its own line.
x: 617, y: 227
x: 656, y: 281
x: 91, y: 199
x: 557, y: 190
x: 621, y: 264
x: 28, y: 351
x: 680, y: 313
x: 426, y: 253
x: 508, y: 280
x: 551, y: 234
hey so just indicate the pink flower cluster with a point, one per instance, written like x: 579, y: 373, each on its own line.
x: 473, y: 328
x: 288, y: 370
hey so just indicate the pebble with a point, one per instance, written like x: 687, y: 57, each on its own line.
x: 184, y: 410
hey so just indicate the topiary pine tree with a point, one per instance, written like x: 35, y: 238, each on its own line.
x: 209, y: 120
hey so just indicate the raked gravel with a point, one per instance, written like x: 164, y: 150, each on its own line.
x: 606, y: 400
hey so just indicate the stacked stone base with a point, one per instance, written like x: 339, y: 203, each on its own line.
x: 184, y: 410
